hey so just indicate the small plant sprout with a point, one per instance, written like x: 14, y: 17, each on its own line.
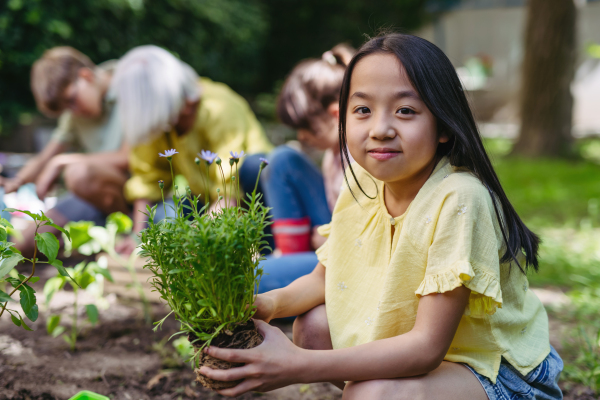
x: 45, y: 243
x: 206, y: 266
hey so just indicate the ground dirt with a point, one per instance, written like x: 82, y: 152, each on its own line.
x: 124, y: 359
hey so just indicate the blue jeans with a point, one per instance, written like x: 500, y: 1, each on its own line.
x: 280, y: 271
x: 541, y: 383
x: 294, y: 187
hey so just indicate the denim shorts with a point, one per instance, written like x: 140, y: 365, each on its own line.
x: 539, y: 384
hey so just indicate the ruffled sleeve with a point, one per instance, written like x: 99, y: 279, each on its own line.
x: 465, y: 251
x: 323, y: 251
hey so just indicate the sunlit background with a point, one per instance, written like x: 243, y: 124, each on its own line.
x: 551, y: 177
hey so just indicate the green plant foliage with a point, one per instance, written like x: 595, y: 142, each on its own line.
x: 206, y: 268
x: 10, y: 257
x: 249, y: 44
x: 215, y: 37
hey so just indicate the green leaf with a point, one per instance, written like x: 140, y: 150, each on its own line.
x: 33, y: 313
x: 24, y: 325
x: 79, y: 233
x: 5, y: 223
x: 27, y: 298
x: 67, y: 339
x: 52, y: 286
x: 36, y: 217
x: 48, y: 244
x: 59, y: 228
x: 58, y: 331
x: 15, y: 320
x: 7, y: 264
x: 105, y: 273
x: 85, y: 279
x: 4, y: 297
x: 59, y: 266
x: 92, y: 312
x: 176, y: 271
x: 52, y: 323
x: 3, y: 234
x: 122, y: 222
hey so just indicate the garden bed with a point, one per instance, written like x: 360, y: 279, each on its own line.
x: 124, y: 359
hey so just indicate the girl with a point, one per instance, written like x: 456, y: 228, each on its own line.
x: 302, y: 197
x: 420, y: 289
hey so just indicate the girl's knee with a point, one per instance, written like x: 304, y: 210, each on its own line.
x: 285, y: 158
x: 311, y: 330
x: 384, y: 389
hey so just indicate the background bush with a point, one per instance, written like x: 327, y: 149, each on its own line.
x: 248, y: 44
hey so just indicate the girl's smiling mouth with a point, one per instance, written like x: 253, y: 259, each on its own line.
x: 383, y: 153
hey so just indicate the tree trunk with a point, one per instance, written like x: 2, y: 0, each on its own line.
x: 546, y: 102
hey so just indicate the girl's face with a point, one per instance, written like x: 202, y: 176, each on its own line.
x: 324, y: 133
x: 389, y: 130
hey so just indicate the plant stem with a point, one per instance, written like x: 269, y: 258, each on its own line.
x: 130, y: 266
x: 74, y: 325
x: 29, y: 277
x: 162, y: 194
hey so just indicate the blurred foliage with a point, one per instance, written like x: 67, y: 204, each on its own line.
x: 249, y: 44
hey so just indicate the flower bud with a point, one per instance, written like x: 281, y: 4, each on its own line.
x: 176, y: 187
x: 218, y: 161
x: 197, y: 161
x: 231, y: 161
x: 233, y: 178
x: 161, y: 184
x: 218, y: 190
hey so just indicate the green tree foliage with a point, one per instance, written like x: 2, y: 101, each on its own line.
x: 219, y: 38
x: 248, y: 44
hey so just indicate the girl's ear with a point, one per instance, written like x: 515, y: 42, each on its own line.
x: 334, y: 110
x: 444, y: 137
x: 87, y: 74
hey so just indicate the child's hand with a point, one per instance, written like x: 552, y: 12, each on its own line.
x: 265, y: 307
x: 266, y: 368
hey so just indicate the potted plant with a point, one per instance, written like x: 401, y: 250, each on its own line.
x: 205, y: 263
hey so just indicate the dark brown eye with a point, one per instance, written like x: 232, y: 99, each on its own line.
x: 406, y: 111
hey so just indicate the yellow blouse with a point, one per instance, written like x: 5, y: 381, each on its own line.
x: 448, y: 237
x: 224, y: 123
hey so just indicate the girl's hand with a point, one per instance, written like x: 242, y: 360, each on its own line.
x: 265, y: 307
x: 268, y: 366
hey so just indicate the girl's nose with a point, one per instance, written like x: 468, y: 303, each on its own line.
x: 382, y: 133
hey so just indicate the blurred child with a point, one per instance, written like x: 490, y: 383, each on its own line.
x: 66, y: 84
x: 164, y: 105
x: 302, y: 197
x: 421, y: 289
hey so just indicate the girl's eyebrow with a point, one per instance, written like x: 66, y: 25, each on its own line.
x: 398, y: 95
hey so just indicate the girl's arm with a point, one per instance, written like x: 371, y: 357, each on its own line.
x: 300, y: 296
x: 277, y: 362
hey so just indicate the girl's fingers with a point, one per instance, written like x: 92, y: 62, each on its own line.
x: 245, y: 386
x: 231, y: 355
x: 226, y: 375
x: 263, y: 328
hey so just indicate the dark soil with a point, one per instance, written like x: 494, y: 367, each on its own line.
x: 123, y: 358
x: 244, y: 336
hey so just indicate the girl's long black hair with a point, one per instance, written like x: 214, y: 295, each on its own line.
x: 435, y: 79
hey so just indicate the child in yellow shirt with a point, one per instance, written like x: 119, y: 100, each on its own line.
x: 420, y: 291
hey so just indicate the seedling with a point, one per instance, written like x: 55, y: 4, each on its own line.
x: 45, y: 243
x: 206, y: 263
